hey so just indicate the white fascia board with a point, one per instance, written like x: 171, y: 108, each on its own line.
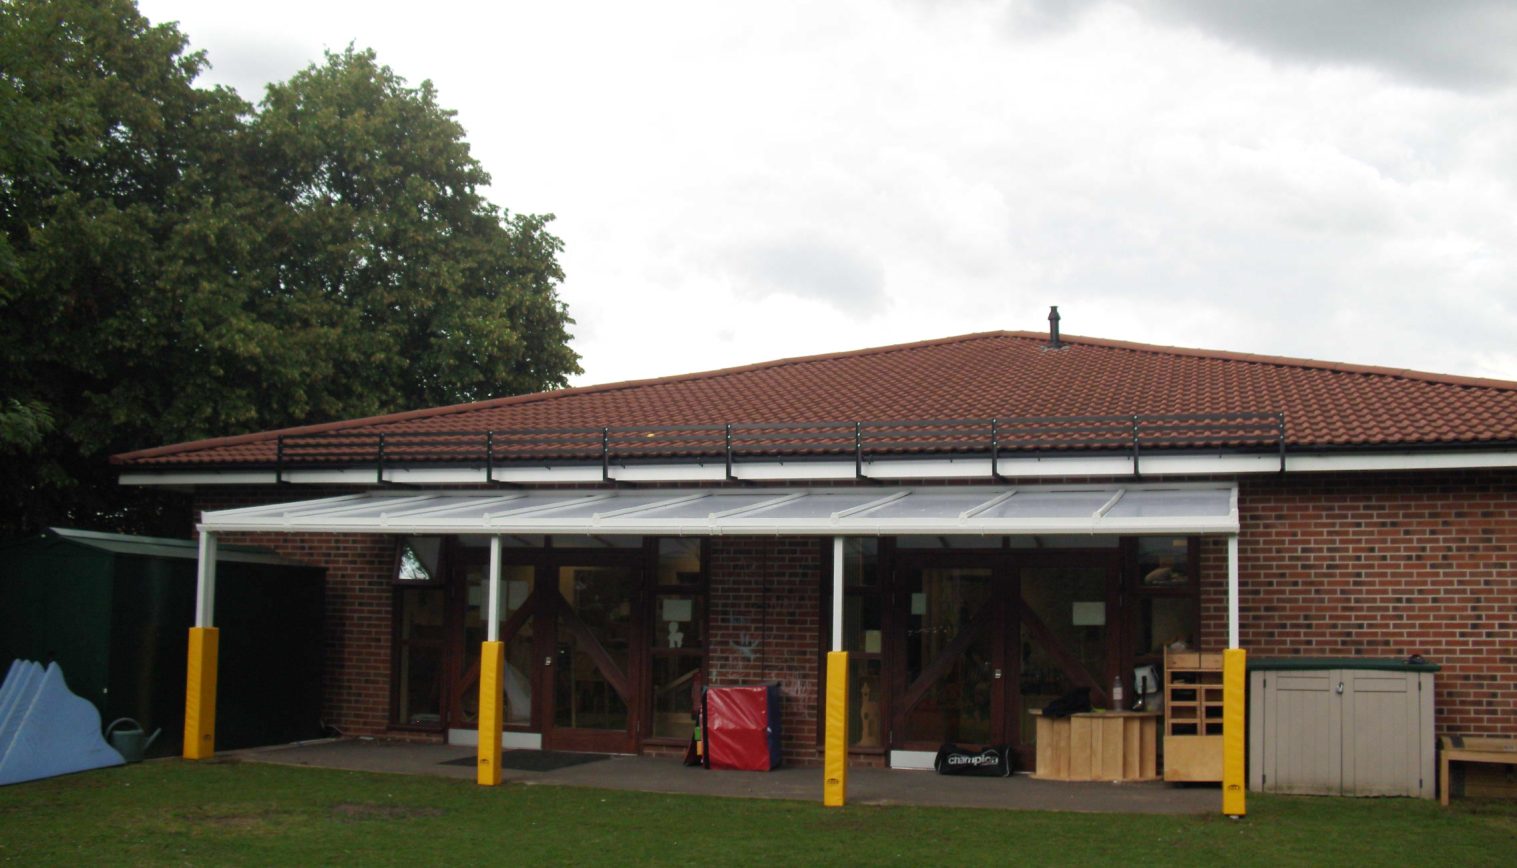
x: 1033, y: 468
x: 925, y: 468
x: 570, y: 475
x: 886, y: 470
x: 781, y: 471
x: 1194, y: 465
x: 667, y: 473
x: 196, y: 477
x: 1399, y: 461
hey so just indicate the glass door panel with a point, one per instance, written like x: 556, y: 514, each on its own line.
x: 1064, y: 637
x: 594, y: 647
x: 516, y: 582
x: 950, y: 657
x: 515, y: 588
x: 420, y: 638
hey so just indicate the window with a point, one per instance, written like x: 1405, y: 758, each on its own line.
x: 1165, y: 601
x: 863, y: 629
x: 420, y: 632
x: 677, y: 634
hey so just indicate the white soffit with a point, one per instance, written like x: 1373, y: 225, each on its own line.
x: 1205, y: 508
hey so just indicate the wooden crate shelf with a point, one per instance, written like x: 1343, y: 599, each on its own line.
x: 1192, y: 716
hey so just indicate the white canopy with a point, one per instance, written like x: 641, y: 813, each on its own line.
x: 860, y: 511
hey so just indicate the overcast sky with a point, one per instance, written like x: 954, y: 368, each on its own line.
x: 742, y: 182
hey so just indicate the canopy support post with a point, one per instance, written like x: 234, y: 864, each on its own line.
x: 492, y: 654
x: 835, y: 751
x: 200, y: 668
x: 1234, y: 697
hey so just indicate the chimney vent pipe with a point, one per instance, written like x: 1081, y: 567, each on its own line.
x: 1053, y: 327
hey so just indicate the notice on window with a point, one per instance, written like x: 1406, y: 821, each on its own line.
x: 1090, y: 615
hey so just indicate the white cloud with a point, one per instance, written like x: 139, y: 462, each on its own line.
x: 737, y: 184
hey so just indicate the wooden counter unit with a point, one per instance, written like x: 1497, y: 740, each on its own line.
x: 1098, y: 746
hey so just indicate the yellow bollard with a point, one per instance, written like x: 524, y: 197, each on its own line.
x: 200, y: 694
x: 492, y: 658
x: 1234, y: 737
x: 835, y: 753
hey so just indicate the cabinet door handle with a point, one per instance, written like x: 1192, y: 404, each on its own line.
x: 1340, y: 688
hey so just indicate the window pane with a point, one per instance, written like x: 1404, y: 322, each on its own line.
x: 596, y: 541
x: 1163, y: 561
x: 861, y: 622
x: 481, y: 542
x: 673, y: 678
x: 865, y: 711
x: 944, y: 604
x: 515, y: 587
x: 678, y: 622
x: 679, y: 561
x: 421, y: 685
x: 419, y: 680
x: 861, y: 562
x: 1163, y: 621
x: 601, y: 598
x: 948, y: 542
x: 418, y: 558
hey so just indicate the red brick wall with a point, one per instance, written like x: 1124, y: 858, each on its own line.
x: 1382, y: 565
x: 356, y: 665
x: 765, y: 614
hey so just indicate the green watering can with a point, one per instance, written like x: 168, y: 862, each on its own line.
x: 130, y: 741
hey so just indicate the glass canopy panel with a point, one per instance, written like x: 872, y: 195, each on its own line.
x: 818, y: 506
x: 726, y: 503
x: 483, y: 507
x: 590, y: 508
x: 1169, y: 504
x: 1048, y: 504
x: 943, y: 506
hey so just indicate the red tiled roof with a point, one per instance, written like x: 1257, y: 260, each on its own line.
x: 992, y: 374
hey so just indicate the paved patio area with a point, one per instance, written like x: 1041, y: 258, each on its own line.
x: 661, y: 775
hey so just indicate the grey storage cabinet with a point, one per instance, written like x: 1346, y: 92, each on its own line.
x: 1341, y: 726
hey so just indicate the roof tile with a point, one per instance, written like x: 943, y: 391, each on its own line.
x: 1001, y: 374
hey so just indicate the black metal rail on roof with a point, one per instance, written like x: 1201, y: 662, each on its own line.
x: 734, y: 442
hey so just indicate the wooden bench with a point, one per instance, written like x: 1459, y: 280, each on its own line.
x: 1454, y: 748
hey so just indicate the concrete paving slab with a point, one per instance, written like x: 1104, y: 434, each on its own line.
x: 663, y: 775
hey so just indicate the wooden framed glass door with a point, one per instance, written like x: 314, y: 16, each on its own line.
x: 590, y: 634
x: 983, y: 638
x: 950, y: 672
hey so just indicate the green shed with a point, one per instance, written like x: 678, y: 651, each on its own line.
x: 114, y: 612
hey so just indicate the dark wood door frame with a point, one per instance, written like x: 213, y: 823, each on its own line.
x: 543, y: 609
x: 555, y: 613
x: 1004, y: 610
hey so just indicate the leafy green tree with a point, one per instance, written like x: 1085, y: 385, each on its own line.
x: 175, y: 265
x: 389, y: 269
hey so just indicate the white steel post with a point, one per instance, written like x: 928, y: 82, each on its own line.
x: 205, y: 580
x: 837, y: 593
x: 1232, y: 591
x: 492, y: 631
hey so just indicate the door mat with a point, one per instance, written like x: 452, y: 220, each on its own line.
x: 534, y: 760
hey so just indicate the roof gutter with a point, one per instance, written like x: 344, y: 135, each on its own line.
x: 903, y: 469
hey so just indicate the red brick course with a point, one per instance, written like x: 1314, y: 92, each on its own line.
x: 765, y: 618
x: 357, y: 618
x: 1382, y: 565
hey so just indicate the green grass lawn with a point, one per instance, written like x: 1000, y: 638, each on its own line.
x: 220, y: 813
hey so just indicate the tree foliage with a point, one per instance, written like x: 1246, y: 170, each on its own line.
x: 175, y: 264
